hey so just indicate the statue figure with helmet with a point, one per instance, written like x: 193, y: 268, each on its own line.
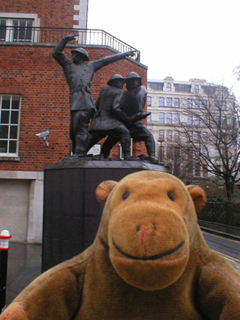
x: 132, y: 105
x: 110, y: 120
x: 79, y: 76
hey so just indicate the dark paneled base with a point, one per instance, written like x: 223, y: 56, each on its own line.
x: 71, y: 211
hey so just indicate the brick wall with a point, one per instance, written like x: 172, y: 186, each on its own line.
x: 32, y: 72
x: 53, y: 13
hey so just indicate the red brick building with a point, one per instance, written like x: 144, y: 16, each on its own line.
x: 34, y: 99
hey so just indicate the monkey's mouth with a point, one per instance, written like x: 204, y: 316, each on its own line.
x: 146, y: 258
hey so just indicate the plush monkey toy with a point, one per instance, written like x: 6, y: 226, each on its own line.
x: 149, y: 261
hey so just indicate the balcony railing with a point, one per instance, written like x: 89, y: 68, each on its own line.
x: 46, y: 35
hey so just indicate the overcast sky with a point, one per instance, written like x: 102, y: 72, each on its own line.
x: 179, y: 38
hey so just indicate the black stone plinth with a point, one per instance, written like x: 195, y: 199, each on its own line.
x: 71, y: 211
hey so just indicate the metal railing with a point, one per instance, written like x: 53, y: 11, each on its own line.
x: 45, y: 35
x: 221, y: 212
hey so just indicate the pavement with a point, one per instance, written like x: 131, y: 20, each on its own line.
x: 24, y: 265
x: 226, y: 231
x: 24, y: 260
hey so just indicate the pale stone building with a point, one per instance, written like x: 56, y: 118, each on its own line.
x: 169, y: 102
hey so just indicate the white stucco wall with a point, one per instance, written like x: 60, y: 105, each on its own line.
x: 82, y: 16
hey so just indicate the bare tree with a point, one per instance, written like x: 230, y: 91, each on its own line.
x: 209, y: 135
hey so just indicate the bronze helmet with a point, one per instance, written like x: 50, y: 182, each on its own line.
x: 83, y: 52
x: 132, y: 75
x: 115, y: 77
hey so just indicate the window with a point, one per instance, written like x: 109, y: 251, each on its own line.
x: 3, y: 30
x: 176, y: 136
x: 204, y: 103
x: 161, y: 102
x: 16, y: 30
x: 169, y: 87
x: 18, y: 27
x: 189, y: 103
x: 196, y: 121
x: 197, y: 170
x: 205, y: 172
x: 161, y: 135
x: 196, y: 89
x: 149, y: 118
x: 197, y: 104
x: 22, y: 30
x: 189, y: 120
x: 176, y: 102
x: 161, y: 118
x: 9, y: 124
x: 156, y: 86
x: 149, y: 101
x: 169, y: 118
x: 169, y: 102
x: 182, y: 87
x: 169, y: 135
x: 169, y: 152
x: 176, y: 118
x: 203, y: 121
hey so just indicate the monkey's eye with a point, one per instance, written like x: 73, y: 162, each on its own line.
x: 125, y: 195
x: 171, y: 196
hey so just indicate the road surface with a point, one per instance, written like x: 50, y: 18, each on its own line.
x: 229, y: 249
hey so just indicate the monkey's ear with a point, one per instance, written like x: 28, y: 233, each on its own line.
x: 198, y: 196
x: 103, y: 190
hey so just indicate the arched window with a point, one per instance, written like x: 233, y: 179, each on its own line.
x: 169, y: 87
x: 196, y: 89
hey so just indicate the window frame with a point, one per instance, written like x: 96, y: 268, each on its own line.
x: 163, y: 118
x: 169, y: 87
x: 11, y: 17
x: 189, y: 104
x: 3, y: 29
x: 196, y: 89
x: 176, y: 118
x: 204, y: 103
x: 169, y: 118
x: 169, y: 102
x: 149, y: 119
x: 189, y: 120
x: 22, y: 33
x: 169, y: 135
x: 159, y: 104
x: 149, y: 101
x: 196, y: 121
x: 176, y: 105
x: 10, y: 125
x: 161, y: 135
x: 197, y: 104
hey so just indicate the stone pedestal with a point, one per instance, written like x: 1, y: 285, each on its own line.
x: 71, y: 211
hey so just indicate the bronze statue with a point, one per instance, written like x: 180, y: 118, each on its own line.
x: 110, y: 120
x: 79, y: 76
x: 132, y: 106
